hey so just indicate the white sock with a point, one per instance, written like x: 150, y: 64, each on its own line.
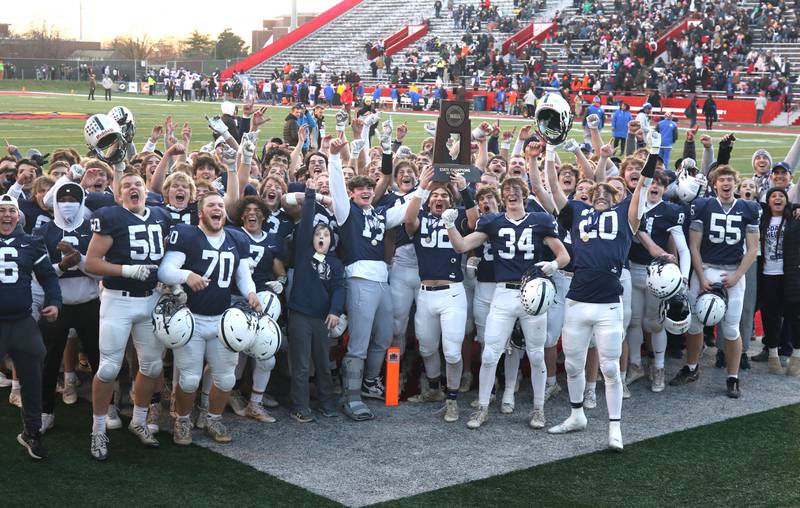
x: 15, y: 384
x: 773, y: 352
x: 591, y: 385
x: 256, y: 397
x: 614, y: 425
x: 184, y: 418
x: 204, y: 400
x: 659, y: 342
x: 486, y: 383
x: 139, y: 415
x: 551, y: 380
x: 453, y: 372
x: 623, y: 375
x: 98, y: 424
x: 692, y: 366
x: 214, y: 417
x: 70, y: 377
x: 796, y: 353
x: 735, y: 376
x: 577, y: 412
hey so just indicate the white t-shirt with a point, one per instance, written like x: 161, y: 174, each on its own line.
x: 773, y: 250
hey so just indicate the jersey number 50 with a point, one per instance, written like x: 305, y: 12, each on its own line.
x: 146, y: 242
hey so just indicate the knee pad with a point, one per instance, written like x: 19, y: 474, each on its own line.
x: 573, y: 367
x: 266, y: 365
x: 610, y: 369
x: 189, y: 382
x: 652, y: 325
x: 426, y: 349
x: 224, y: 382
x: 730, y: 333
x: 490, y: 355
x: 452, y: 357
x: 108, y: 370
x: 151, y: 369
x: 537, y: 358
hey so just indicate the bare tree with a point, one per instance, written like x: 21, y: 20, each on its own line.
x: 44, y: 39
x: 133, y: 48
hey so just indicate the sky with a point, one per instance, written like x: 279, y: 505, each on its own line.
x: 156, y: 19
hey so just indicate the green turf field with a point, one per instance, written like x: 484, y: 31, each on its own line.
x: 47, y: 135
x: 748, y: 461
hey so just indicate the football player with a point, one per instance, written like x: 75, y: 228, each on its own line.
x: 22, y: 256
x: 723, y: 240
x: 517, y: 239
x: 125, y: 249
x: 594, y: 302
x: 206, y: 259
x: 67, y: 240
x: 442, y: 300
x: 362, y: 229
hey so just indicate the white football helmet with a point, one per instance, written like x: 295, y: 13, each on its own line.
x: 105, y: 139
x: 675, y: 314
x: 690, y: 187
x: 124, y: 117
x: 339, y: 329
x: 270, y: 304
x: 664, y: 279
x: 711, y: 306
x: 173, y: 322
x: 553, y: 118
x: 537, y: 292
x: 267, y: 340
x: 237, y: 328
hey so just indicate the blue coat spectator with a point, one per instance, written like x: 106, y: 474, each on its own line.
x: 619, y: 125
x: 669, y: 134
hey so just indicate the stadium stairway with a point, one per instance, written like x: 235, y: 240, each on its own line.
x: 790, y: 50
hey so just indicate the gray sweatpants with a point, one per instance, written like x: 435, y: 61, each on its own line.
x: 749, y: 306
x: 22, y: 340
x: 369, y: 309
x: 308, y: 340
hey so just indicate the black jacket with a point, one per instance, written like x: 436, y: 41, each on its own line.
x: 791, y: 261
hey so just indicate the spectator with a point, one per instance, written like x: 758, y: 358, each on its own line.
x: 691, y: 112
x: 107, y: 85
x: 761, y: 104
x: 710, y: 111
x: 619, y: 126
x: 92, y: 86
x: 669, y: 134
x: 594, y: 109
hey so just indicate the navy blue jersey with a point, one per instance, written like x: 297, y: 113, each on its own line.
x: 394, y: 199
x: 657, y: 222
x: 263, y: 250
x: 600, y: 243
x: 186, y: 216
x: 485, y: 270
x: 436, y: 258
x: 280, y: 223
x: 34, y: 216
x: 97, y: 200
x: 22, y: 255
x: 154, y: 199
x: 724, y: 232
x: 217, y: 264
x: 516, y: 245
x: 362, y: 234
x: 78, y: 238
x: 324, y: 216
x: 138, y: 240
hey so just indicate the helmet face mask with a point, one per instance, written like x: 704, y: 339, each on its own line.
x: 237, y: 327
x: 104, y: 138
x: 124, y: 118
x: 173, y: 322
x: 690, y: 187
x: 675, y: 314
x: 267, y: 341
x: 553, y: 118
x: 537, y: 292
x: 664, y: 279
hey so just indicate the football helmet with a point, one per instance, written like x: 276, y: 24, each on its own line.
x: 537, y: 292
x: 675, y: 313
x: 690, y: 187
x: 237, y: 327
x: 553, y: 118
x: 339, y: 329
x: 124, y: 117
x: 173, y: 323
x: 270, y: 304
x: 711, y: 305
x: 267, y: 340
x: 517, y: 338
x: 105, y: 139
x: 664, y: 279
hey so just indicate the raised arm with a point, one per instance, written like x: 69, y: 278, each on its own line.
x: 160, y: 174
x: 559, y: 198
x: 418, y: 197
x: 341, y: 207
x: 534, y: 175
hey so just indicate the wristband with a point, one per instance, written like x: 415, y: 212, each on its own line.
x: 291, y: 199
x: 150, y: 146
x: 466, y: 199
x: 386, y: 164
x: 423, y: 194
x: 550, y: 154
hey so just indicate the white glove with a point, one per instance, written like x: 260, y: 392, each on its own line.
x: 251, y: 136
x: 653, y: 140
x: 229, y: 156
x: 548, y: 267
x: 341, y: 120
x: 449, y: 217
x: 388, y: 126
x: 386, y: 143
x: 478, y: 134
x: 248, y: 149
x: 207, y: 148
x: 77, y: 172
x: 472, y: 263
x: 430, y: 128
x: 689, y: 165
x: 592, y: 121
x: 218, y: 126
x: 275, y: 286
x: 571, y: 146
x: 356, y: 147
x: 371, y: 119
x: 138, y: 272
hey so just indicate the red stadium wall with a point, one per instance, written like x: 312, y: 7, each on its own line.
x: 407, y: 36
x: 293, y: 37
x: 673, y: 33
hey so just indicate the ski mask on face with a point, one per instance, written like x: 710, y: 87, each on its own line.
x: 69, y: 215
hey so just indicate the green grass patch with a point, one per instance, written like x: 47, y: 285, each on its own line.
x: 132, y: 475
x: 748, y: 461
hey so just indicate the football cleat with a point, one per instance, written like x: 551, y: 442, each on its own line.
x: 658, y: 380
x: 428, y: 395
x: 217, y: 430
x: 615, y: 438
x: 451, y: 410
x: 507, y: 404
x: 774, y: 366
x: 144, y: 435
x: 732, y: 385
x: 69, y: 394
x: 259, y: 413
x: 589, y: 399
x: 537, y: 419
x: 48, y: 421
x: 478, y: 418
x: 574, y: 423
x: 466, y: 382
x: 685, y: 376
x: 634, y: 373
x: 33, y: 443
x: 182, y: 432
x: 626, y: 391
x: 237, y: 403
x: 113, y: 421
x: 373, y: 389
x: 552, y: 391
